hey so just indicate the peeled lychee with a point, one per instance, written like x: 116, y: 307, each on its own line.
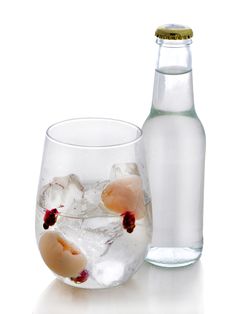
x: 61, y: 256
x: 125, y: 194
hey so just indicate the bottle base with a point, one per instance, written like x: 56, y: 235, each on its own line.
x: 173, y: 256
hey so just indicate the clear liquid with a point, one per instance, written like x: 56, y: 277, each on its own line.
x: 112, y: 254
x: 173, y: 91
x: 175, y: 152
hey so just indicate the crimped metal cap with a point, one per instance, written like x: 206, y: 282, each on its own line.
x: 174, y: 32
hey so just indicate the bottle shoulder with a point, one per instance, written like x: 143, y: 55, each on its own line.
x: 174, y: 125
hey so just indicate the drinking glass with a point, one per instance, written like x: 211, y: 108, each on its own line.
x: 93, y: 215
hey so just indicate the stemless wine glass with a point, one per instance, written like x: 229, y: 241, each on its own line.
x: 93, y: 215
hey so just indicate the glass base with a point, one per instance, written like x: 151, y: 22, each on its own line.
x: 88, y: 285
x: 173, y: 257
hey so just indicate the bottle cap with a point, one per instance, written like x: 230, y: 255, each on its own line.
x: 174, y: 32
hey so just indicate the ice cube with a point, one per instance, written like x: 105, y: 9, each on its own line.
x: 108, y: 272
x: 70, y: 227
x: 50, y: 196
x: 61, y: 191
x: 98, y: 234
x: 94, y: 235
x: 123, y: 169
x: 93, y: 192
x: 87, y: 203
x: 90, y: 202
x: 92, y: 195
x: 78, y: 208
x: 71, y: 179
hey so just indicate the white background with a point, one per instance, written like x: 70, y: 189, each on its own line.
x: 64, y: 59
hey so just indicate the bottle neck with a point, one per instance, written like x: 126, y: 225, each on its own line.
x: 173, y: 88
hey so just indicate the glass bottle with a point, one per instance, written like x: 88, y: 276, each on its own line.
x: 175, y: 153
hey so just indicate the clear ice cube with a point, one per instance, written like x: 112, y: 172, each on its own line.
x: 61, y: 191
x: 93, y: 192
x: 90, y: 202
x: 123, y: 169
x: 98, y: 234
x: 93, y: 235
x: 50, y: 196
x: 108, y: 272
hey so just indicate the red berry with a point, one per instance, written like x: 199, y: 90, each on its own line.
x: 128, y: 221
x: 45, y: 226
x: 54, y: 211
x: 83, y: 276
x: 130, y: 230
x: 50, y: 217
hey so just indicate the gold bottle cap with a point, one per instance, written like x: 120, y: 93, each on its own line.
x: 174, y: 32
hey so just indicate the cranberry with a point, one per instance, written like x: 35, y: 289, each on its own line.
x: 50, y: 217
x: 128, y: 221
x: 45, y: 226
x: 83, y: 276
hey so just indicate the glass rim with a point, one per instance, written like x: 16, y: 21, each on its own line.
x: 136, y: 139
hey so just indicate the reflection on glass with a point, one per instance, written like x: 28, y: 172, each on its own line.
x: 151, y: 290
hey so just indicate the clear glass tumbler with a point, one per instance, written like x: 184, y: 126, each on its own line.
x: 93, y: 215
